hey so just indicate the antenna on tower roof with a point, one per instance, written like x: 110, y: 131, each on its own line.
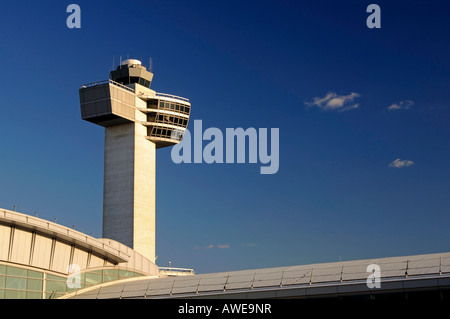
x: 150, y: 65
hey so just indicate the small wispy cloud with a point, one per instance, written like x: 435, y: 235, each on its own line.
x: 211, y: 246
x: 334, y: 102
x: 402, y: 105
x: 398, y: 163
x: 204, y: 247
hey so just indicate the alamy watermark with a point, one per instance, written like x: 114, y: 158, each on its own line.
x: 241, y: 146
x: 74, y: 19
x: 74, y: 276
x: 373, y: 20
x: 374, y: 279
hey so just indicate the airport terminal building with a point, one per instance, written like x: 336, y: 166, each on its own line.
x: 37, y: 259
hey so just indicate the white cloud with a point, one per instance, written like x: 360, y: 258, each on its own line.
x: 398, y: 163
x: 207, y: 247
x: 333, y: 102
x: 211, y: 246
x: 349, y: 107
x: 402, y: 105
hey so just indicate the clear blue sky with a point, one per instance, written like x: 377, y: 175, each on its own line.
x: 266, y: 64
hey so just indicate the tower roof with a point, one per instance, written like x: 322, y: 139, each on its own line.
x: 131, y: 62
x: 132, y: 71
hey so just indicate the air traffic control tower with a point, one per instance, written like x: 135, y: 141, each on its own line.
x: 137, y: 121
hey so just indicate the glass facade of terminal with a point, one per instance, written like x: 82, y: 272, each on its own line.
x: 25, y: 283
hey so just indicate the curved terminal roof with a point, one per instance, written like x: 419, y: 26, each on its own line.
x: 35, y: 242
x: 397, y: 273
x: 115, y: 252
